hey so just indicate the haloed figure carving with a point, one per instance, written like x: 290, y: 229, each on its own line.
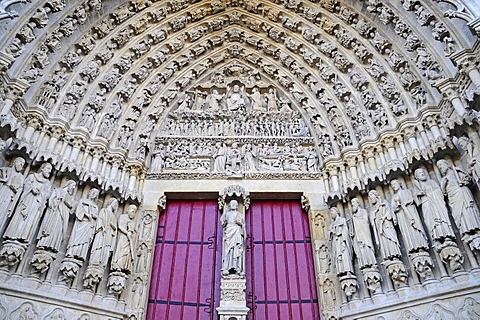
x: 341, y: 244
x: 233, y: 240
x: 123, y: 255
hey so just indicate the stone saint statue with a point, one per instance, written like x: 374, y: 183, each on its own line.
x: 464, y: 209
x: 383, y: 222
x: 362, y: 236
x: 83, y: 230
x: 105, y: 234
x: 233, y: 240
x: 55, y: 223
x: 411, y: 228
x: 341, y: 244
x: 235, y: 100
x: 11, y: 184
x: 430, y: 199
x: 123, y: 255
x: 30, y: 208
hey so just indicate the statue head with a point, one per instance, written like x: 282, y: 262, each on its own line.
x: 443, y: 165
x: 113, y: 203
x: 70, y: 185
x: 46, y: 169
x: 355, y: 204
x: 373, y: 196
x: 233, y: 205
x: 395, y: 184
x: 131, y: 210
x: 18, y: 163
x: 420, y: 174
x: 236, y: 88
x: 334, y: 212
x: 93, y: 193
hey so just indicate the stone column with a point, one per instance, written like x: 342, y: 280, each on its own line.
x: 234, y: 201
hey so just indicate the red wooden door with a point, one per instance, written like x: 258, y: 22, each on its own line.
x: 279, y: 262
x: 186, y: 269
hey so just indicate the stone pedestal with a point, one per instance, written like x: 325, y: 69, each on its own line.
x: 233, y: 304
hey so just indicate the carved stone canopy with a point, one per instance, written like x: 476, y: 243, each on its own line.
x: 231, y: 192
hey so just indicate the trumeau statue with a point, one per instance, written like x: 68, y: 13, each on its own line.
x: 383, y: 222
x: 55, y: 223
x: 86, y: 214
x: 233, y: 241
x: 463, y: 206
x: 122, y: 259
x: 105, y: 234
x: 11, y: 184
x: 341, y: 243
x: 362, y: 236
x: 30, y: 208
x: 408, y: 219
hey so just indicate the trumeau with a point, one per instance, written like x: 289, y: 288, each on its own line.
x: 101, y: 98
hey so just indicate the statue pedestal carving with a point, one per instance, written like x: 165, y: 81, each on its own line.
x: 233, y: 304
x: 12, y: 252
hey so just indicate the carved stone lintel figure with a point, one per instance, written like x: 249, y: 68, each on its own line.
x: 82, y: 234
x: 408, y: 219
x: 341, y: 243
x: 430, y: 198
x: 11, y: 184
x: 220, y: 157
x: 55, y: 223
x: 462, y: 203
x: 363, y: 243
x: 122, y: 259
x: 103, y: 242
x: 233, y: 225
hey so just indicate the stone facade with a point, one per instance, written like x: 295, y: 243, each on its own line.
x: 368, y: 109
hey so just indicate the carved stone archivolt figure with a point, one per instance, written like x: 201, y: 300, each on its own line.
x: 233, y: 240
x: 408, y: 219
x: 341, y: 244
x: 105, y: 234
x: 362, y: 236
x: 460, y: 198
x: 11, y: 184
x: 82, y: 234
x: 55, y: 223
x: 122, y: 259
x: 30, y: 208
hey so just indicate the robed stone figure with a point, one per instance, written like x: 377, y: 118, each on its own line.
x: 123, y: 255
x: 11, y: 184
x: 233, y: 240
x: 55, y: 223
x: 383, y: 222
x: 411, y: 228
x: 341, y: 244
x: 83, y: 230
x: 430, y: 198
x: 363, y: 243
x: 30, y: 208
x: 105, y: 234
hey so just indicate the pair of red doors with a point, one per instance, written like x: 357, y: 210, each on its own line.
x: 279, y: 262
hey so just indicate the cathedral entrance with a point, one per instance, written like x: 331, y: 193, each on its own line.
x: 186, y: 269
x: 279, y: 262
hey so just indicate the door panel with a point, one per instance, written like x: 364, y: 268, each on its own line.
x: 186, y: 269
x: 279, y: 262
